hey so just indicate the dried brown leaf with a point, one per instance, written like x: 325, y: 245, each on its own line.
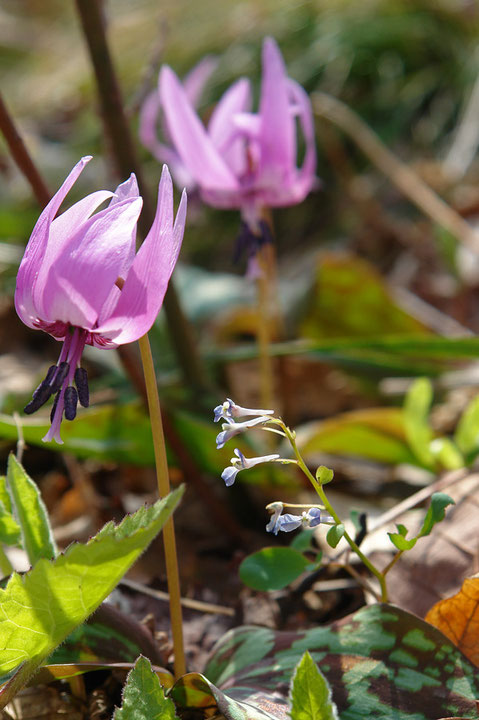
x: 458, y: 618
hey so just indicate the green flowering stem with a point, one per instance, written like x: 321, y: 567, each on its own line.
x: 319, y: 489
x: 162, y: 476
x: 5, y: 565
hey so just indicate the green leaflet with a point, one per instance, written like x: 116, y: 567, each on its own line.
x: 143, y: 696
x: 416, y: 420
x: 30, y: 513
x: 42, y: 607
x: 310, y: 694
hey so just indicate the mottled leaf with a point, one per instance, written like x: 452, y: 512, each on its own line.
x: 310, y: 694
x: 381, y: 663
x: 458, y: 618
x: 272, y: 568
x: 30, y: 512
x: 143, y: 697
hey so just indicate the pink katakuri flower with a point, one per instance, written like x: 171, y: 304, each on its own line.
x: 69, y: 280
x: 151, y: 117
x: 242, y: 159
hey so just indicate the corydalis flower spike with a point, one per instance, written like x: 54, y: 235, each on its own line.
x: 66, y: 283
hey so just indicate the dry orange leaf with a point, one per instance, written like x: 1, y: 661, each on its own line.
x: 458, y: 618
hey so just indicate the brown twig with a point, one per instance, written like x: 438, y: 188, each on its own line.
x: 126, y: 162
x: 400, y: 174
x: 21, y: 156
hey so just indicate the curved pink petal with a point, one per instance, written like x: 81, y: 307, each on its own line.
x: 35, y: 250
x: 194, y: 82
x: 80, y: 280
x: 125, y: 190
x: 223, y: 130
x: 277, y: 136
x: 145, y: 286
x: 189, y: 136
x: 307, y: 172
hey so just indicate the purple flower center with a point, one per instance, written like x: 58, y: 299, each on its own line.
x: 61, y: 380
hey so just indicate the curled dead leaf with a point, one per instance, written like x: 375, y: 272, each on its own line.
x: 458, y: 618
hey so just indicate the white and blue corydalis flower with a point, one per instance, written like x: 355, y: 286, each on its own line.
x: 230, y: 429
x: 240, y: 462
x: 229, y: 410
x: 287, y: 522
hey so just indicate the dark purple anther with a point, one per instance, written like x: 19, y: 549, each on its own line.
x: 60, y: 375
x: 71, y: 402
x: 81, y: 381
x: 40, y: 396
x: 54, y: 406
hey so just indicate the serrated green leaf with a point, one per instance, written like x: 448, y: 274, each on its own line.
x: 30, y: 512
x: 334, y: 535
x: 9, y: 528
x: 272, y: 568
x: 310, y: 694
x: 435, y: 512
x: 39, y: 609
x: 143, y: 696
x: 324, y: 475
x: 416, y: 420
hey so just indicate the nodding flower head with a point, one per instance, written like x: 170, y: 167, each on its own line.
x: 81, y: 281
x: 229, y: 410
x: 240, y: 462
x: 244, y: 159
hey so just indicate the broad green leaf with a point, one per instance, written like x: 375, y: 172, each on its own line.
x: 143, y: 696
x: 416, y: 420
x: 310, y: 694
x: 30, y: 513
x: 302, y: 540
x: 9, y: 528
x: 376, y: 433
x: 435, y: 512
x: 446, y: 453
x: 272, y: 568
x: 466, y: 436
x: 41, y: 608
x: 352, y: 300
x: 324, y: 475
x: 335, y: 533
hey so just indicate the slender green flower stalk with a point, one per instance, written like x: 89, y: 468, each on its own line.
x: 163, y: 480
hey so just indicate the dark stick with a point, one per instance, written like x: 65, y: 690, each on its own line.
x: 21, y: 156
x: 126, y: 162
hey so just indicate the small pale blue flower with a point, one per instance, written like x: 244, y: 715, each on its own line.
x: 273, y: 525
x: 230, y: 429
x: 240, y: 462
x: 229, y: 410
x: 288, y: 522
x: 229, y: 475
